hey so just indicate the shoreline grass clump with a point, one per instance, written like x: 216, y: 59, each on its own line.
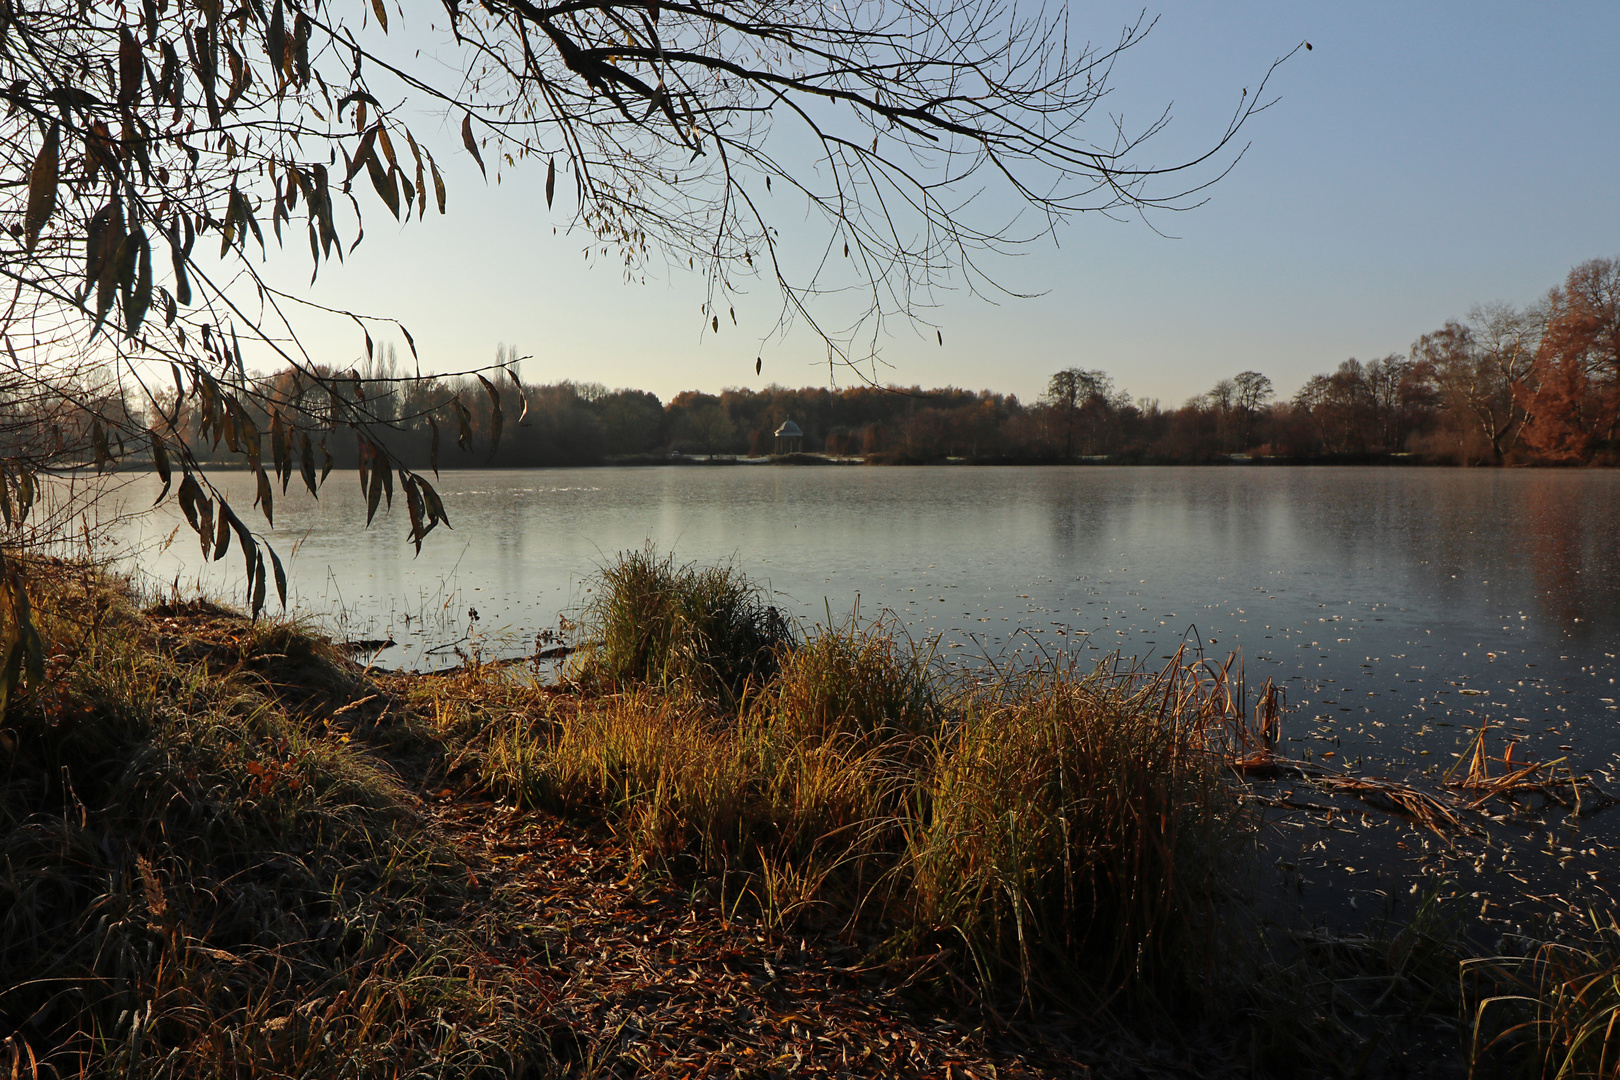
x: 704, y: 630
x: 200, y: 875
x: 1044, y: 831
x: 1079, y: 832
x: 852, y: 682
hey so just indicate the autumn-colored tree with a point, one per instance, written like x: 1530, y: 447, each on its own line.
x: 1556, y: 397
x: 1592, y: 290
x: 1571, y: 394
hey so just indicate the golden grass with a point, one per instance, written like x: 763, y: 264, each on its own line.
x: 1077, y: 826
x: 200, y: 875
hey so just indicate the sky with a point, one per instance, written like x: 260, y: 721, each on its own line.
x: 1420, y: 158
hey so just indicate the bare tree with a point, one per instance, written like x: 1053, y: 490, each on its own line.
x: 1477, y: 365
x: 1253, y: 391
x: 1068, y: 393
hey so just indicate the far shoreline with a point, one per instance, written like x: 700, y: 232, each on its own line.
x: 679, y: 460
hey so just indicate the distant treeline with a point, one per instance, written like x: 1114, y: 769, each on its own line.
x: 1538, y: 384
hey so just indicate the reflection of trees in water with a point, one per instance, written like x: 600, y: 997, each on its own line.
x: 1461, y: 539
x: 1099, y: 513
x: 1571, y: 529
x: 1083, y: 508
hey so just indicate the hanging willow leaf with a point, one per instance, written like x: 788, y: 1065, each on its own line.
x: 138, y: 292
x: 306, y: 463
x: 182, y: 283
x: 421, y: 186
x: 222, y: 535
x: 248, y: 433
x: 374, y: 488
x: 464, y: 418
x: 246, y: 215
x: 495, y: 419
x: 383, y: 181
x: 413, y: 505
x: 205, y: 523
x: 362, y: 154
x: 130, y: 68
x: 433, y: 446
x: 189, y: 494
x: 258, y: 585
x: 433, y: 504
x: 302, y: 27
x: 551, y: 180
x: 280, y: 458
x: 382, y: 13
x: 523, y: 415
x: 363, y: 466
x: 275, y: 40
x: 387, y: 146
x: 472, y: 147
x: 281, y: 576
x: 102, y: 236
x: 438, y: 183
x: 265, y: 499
x: 117, y: 276
x: 160, y: 461
x: 42, y: 181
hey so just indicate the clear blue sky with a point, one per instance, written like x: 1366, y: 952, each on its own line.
x: 1423, y: 157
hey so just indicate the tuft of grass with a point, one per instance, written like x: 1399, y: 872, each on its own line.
x: 1078, y: 831
x: 686, y: 785
x: 1553, y: 1013
x: 201, y: 875
x: 701, y: 630
x: 853, y: 681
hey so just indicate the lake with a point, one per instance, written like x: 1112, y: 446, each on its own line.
x: 1400, y: 607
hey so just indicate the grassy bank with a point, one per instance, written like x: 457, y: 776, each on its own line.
x: 227, y: 850
x: 202, y: 874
